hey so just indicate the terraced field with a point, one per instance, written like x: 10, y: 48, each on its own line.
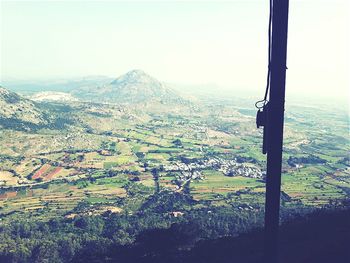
x: 105, y: 163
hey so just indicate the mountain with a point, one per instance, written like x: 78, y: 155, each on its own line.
x: 17, y: 111
x: 135, y: 86
x: 29, y: 87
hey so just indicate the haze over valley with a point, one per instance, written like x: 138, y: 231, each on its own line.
x: 128, y: 132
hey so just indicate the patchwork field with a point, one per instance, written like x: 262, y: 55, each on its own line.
x: 214, y: 158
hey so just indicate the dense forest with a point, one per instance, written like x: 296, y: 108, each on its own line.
x: 167, y: 229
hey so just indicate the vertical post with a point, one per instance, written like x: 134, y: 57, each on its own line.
x: 275, y: 121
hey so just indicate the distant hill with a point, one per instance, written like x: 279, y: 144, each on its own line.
x: 133, y: 87
x: 17, y: 111
x: 29, y: 87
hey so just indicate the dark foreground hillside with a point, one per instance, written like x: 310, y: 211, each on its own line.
x: 159, y: 232
x: 320, y: 237
x: 323, y: 237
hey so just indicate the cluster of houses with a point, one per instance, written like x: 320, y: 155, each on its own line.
x: 229, y: 167
x: 185, y: 176
x: 233, y: 168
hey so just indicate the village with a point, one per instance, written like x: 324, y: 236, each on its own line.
x: 192, y: 171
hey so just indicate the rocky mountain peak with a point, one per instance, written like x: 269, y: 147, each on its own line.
x: 136, y: 76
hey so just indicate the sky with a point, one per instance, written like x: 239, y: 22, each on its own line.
x: 187, y: 42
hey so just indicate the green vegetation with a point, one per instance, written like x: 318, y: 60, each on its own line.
x: 82, y: 187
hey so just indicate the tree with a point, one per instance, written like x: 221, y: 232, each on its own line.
x: 177, y: 143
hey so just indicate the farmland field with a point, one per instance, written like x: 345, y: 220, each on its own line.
x: 214, y: 158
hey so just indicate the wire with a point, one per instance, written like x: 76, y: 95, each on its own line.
x: 264, y: 101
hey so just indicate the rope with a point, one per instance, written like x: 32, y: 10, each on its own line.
x: 264, y: 101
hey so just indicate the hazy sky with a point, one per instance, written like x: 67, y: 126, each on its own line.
x: 181, y: 42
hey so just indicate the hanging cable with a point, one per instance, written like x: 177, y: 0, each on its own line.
x: 261, y: 103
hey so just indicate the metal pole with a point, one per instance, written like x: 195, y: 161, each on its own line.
x: 275, y: 120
